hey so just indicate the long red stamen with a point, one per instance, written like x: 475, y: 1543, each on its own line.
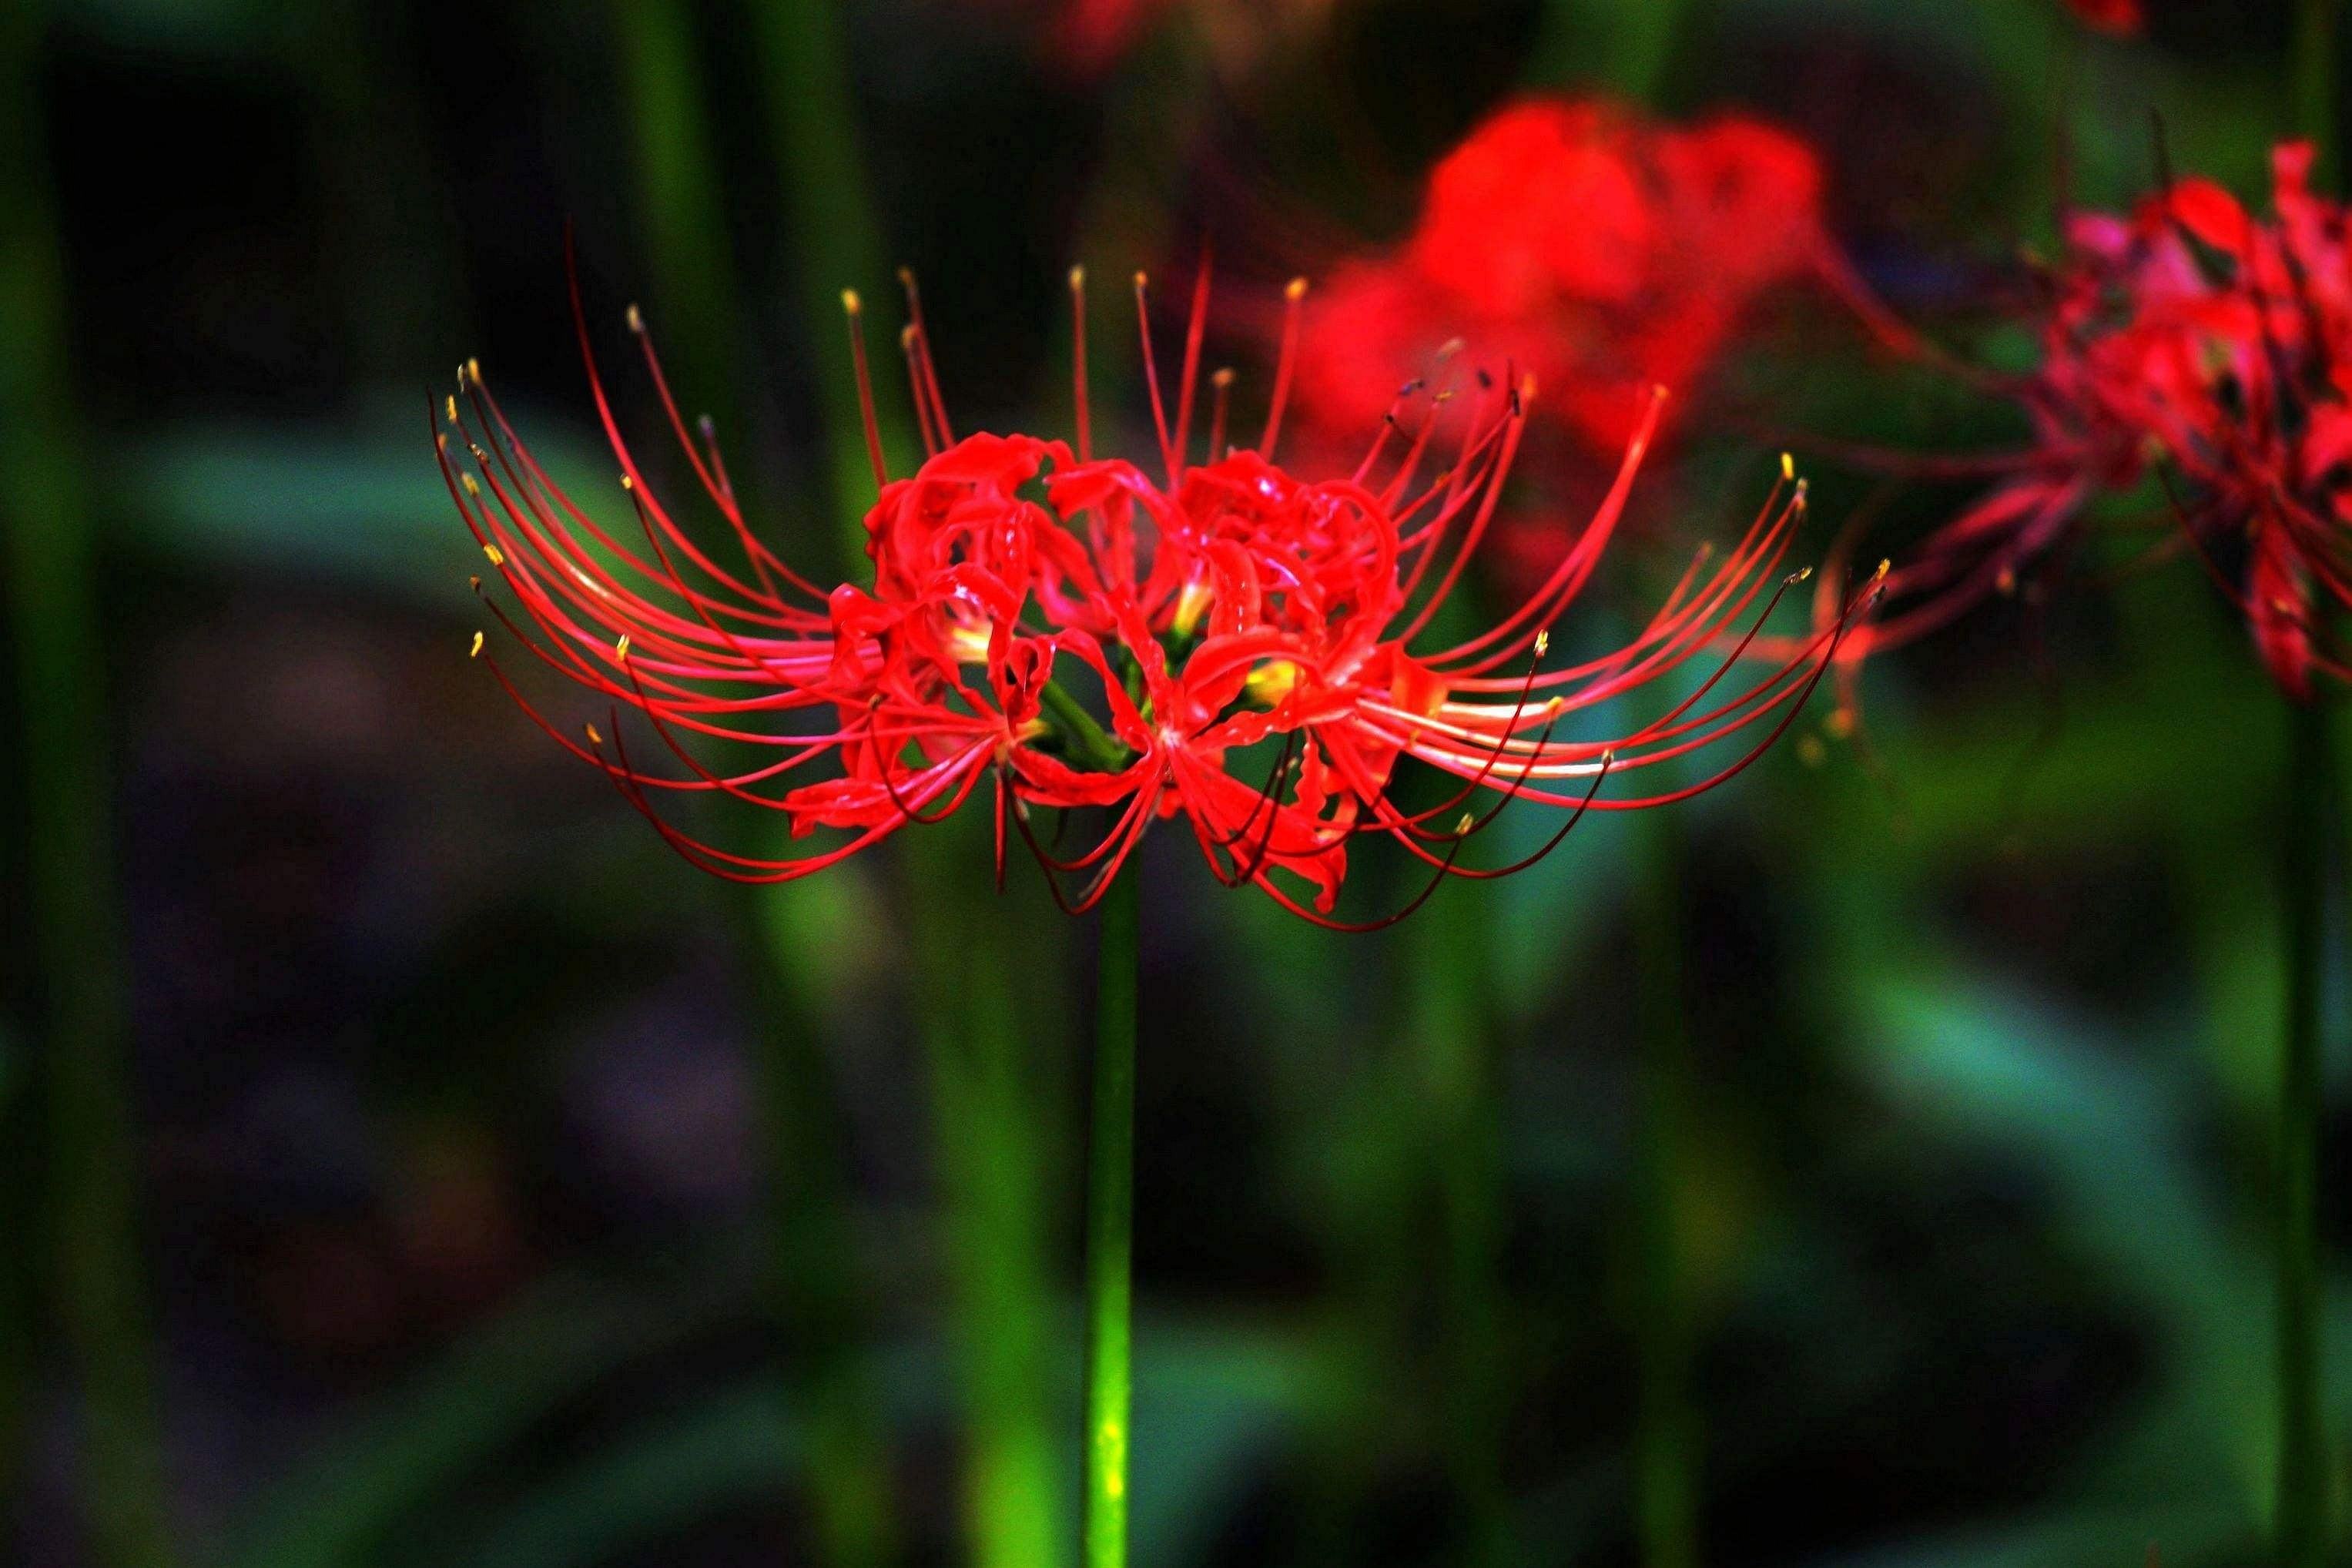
x: 1285, y: 364
x: 851, y: 309
x: 1078, y: 364
x: 1194, y: 327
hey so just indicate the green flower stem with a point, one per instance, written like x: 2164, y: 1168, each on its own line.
x: 1086, y: 738
x: 987, y: 1126
x: 1458, y: 1066
x: 1626, y: 47
x: 1665, y: 1433
x: 803, y: 59
x: 680, y: 211
x: 1110, y: 1223
x: 92, y: 1197
x: 817, y: 1291
x: 2303, y: 1471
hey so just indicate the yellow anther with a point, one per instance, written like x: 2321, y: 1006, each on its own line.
x: 1543, y: 642
x: 1142, y: 282
x: 1191, y: 603
x: 636, y: 320
x: 474, y: 583
x: 1839, y: 724
x: 1222, y: 377
x: 2006, y: 582
x: 497, y: 557
x: 474, y: 368
x: 449, y: 408
x: 1799, y: 575
x: 472, y: 489
x: 1884, y: 566
x: 1788, y: 467
x: 593, y: 738
x: 1462, y: 828
x: 969, y: 642
x: 621, y: 649
x: 1272, y: 681
x: 475, y: 651
x: 1296, y: 289
x: 1552, y: 709
x: 849, y: 301
x: 1077, y: 278
x: 627, y: 483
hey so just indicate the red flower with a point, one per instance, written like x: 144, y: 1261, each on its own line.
x: 2218, y: 348
x: 1227, y: 607
x: 2122, y: 17
x: 1606, y: 254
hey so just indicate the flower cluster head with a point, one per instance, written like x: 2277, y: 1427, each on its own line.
x: 1604, y: 253
x: 1227, y: 642
x: 2190, y: 338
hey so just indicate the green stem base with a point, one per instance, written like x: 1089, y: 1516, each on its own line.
x: 1110, y: 1223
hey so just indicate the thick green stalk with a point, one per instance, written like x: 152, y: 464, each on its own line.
x: 990, y: 1126
x: 1665, y: 1460
x: 1625, y: 46
x: 816, y: 1290
x: 819, y: 1293
x: 681, y: 216
x: 92, y: 1198
x: 1456, y: 1045
x: 988, y: 1129
x: 2303, y: 1471
x: 812, y: 123
x: 1110, y: 1228
x: 1079, y: 731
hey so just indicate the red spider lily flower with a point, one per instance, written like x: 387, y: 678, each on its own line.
x: 1604, y: 252
x: 2215, y: 348
x: 2121, y: 17
x: 1226, y: 606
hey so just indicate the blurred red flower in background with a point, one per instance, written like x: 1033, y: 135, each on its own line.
x: 2215, y: 349
x: 1601, y: 252
x: 1227, y: 605
x: 2118, y: 17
